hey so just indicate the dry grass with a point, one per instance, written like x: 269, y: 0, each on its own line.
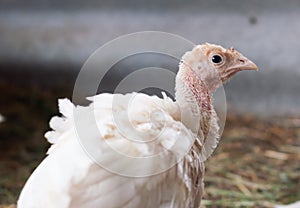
x: 255, y: 165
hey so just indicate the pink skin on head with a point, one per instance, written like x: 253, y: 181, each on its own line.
x: 199, y: 76
x: 199, y: 67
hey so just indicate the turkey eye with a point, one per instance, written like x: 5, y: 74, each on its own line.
x: 216, y: 59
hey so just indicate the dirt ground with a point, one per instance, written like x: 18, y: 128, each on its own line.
x: 255, y: 165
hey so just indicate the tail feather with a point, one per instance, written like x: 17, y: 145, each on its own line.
x: 66, y: 107
x: 59, y: 125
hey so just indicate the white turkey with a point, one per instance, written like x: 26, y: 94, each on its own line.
x: 86, y: 169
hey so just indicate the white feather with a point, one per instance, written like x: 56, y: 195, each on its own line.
x: 68, y: 177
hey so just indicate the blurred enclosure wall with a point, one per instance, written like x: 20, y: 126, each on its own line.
x: 46, y: 42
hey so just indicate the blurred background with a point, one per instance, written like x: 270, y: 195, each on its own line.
x: 44, y: 43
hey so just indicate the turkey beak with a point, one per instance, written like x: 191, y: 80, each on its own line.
x: 245, y: 64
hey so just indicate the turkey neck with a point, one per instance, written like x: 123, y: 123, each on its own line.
x: 194, y: 100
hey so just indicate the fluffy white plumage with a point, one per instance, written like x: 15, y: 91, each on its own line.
x: 186, y: 129
x: 68, y: 177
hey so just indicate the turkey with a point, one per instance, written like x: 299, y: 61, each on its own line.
x: 92, y: 168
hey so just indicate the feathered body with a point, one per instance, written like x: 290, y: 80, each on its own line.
x: 187, y: 129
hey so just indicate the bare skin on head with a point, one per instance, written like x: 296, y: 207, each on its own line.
x: 214, y: 65
x: 205, y: 68
x: 201, y: 72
